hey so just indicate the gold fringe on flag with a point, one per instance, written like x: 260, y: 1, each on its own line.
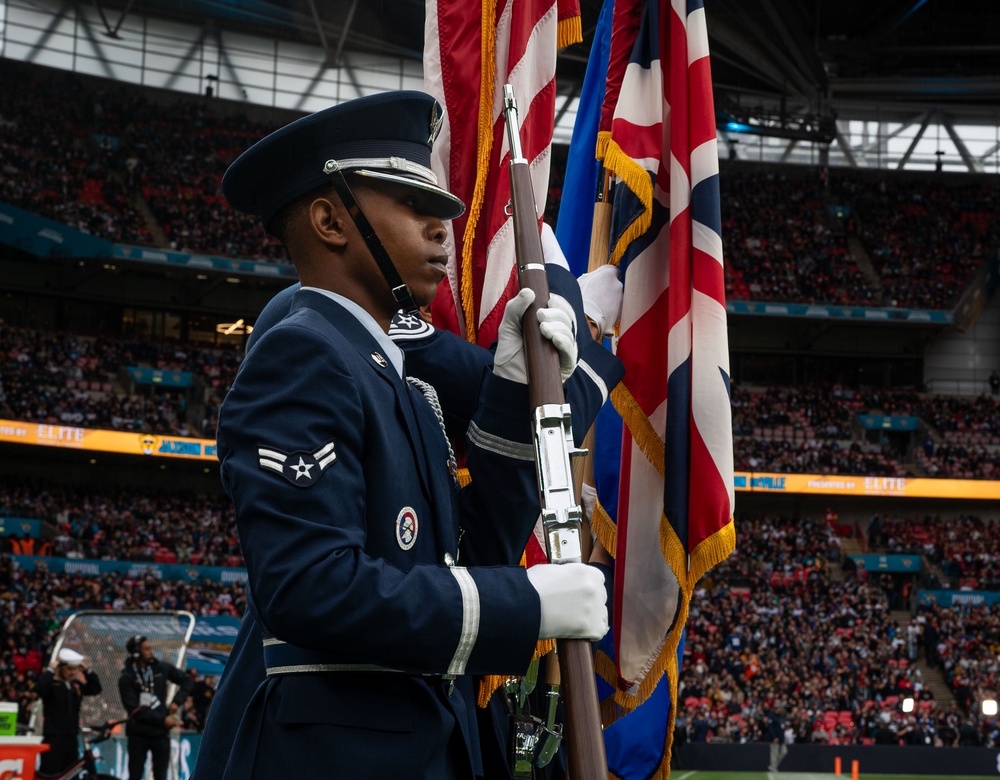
x: 604, y: 528
x: 637, y: 179
x: 712, y: 551
x: 603, y: 139
x: 639, y: 427
x: 570, y: 32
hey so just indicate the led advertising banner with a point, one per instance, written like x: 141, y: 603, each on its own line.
x: 133, y: 443
x: 875, y: 562
x: 125, y: 442
x: 959, y: 598
x: 176, y: 572
x: 19, y: 526
x: 854, y: 485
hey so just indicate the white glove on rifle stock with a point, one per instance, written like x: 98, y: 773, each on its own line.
x: 557, y: 323
x: 573, y: 599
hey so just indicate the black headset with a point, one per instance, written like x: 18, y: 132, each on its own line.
x: 134, y: 646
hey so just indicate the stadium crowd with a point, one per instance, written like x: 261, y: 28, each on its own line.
x: 809, y: 429
x: 782, y: 644
x: 56, y: 159
x: 801, y: 238
x: 81, y: 380
x: 780, y: 649
x: 926, y: 238
x: 781, y: 245
x: 127, y: 525
x: 117, y: 164
x: 966, y: 548
x: 964, y: 641
x: 70, y: 379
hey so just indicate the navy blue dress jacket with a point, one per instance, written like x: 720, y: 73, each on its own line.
x: 351, y: 524
x: 456, y: 368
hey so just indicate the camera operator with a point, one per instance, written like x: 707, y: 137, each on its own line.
x: 143, y: 689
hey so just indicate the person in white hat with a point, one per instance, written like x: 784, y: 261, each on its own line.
x: 61, y: 687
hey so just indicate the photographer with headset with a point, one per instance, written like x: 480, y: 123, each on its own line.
x: 143, y: 689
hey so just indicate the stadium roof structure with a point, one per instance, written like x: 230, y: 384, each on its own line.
x: 868, y: 83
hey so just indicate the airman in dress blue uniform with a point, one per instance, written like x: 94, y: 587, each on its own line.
x: 378, y: 585
x: 454, y: 366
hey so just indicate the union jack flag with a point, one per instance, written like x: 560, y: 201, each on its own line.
x: 470, y: 51
x: 675, y: 497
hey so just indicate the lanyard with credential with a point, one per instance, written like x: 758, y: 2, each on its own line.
x: 145, y: 679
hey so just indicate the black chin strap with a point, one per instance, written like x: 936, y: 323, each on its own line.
x: 399, y: 290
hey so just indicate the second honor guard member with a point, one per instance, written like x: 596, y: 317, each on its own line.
x: 356, y: 536
x: 61, y: 687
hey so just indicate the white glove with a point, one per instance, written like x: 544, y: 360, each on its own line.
x: 573, y: 601
x: 557, y: 323
x: 602, y: 297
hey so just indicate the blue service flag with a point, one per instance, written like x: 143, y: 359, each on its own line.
x: 576, y: 210
x: 636, y: 742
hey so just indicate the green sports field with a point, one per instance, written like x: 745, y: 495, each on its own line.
x: 679, y: 774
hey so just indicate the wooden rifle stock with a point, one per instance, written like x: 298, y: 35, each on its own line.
x: 584, y: 737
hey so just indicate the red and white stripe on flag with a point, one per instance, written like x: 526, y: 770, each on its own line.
x: 676, y: 497
x: 470, y: 51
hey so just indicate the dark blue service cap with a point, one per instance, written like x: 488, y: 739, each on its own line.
x: 387, y: 136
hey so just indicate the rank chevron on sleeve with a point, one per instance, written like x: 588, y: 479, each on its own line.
x: 301, y: 468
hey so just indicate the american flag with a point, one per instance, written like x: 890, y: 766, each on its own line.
x: 675, y: 499
x: 471, y: 50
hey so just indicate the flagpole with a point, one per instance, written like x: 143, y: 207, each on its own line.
x: 600, y: 230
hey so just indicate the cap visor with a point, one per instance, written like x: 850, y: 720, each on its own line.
x: 443, y: 203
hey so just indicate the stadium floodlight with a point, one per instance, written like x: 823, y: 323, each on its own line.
x: 989, y: 707
x: 908, y: 704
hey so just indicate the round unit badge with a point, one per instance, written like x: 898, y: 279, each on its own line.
x: 406, y: 528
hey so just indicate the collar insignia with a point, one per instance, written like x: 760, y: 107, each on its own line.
x: 301, y: 468
x: 381, y: 361
x: 409, y: 326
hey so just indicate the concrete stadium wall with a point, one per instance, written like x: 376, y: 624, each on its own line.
x: 960, y: 363
x: 872, y: 759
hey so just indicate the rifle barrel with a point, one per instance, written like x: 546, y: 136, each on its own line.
x: 584, y: 737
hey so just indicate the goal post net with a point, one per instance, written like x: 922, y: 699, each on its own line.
x: 101, y: 637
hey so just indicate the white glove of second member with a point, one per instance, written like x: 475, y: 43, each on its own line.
x: 557, y: 322
x: 602, y: 293
x: 573, y: 601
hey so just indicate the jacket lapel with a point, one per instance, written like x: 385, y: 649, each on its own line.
x: 367, y: 348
